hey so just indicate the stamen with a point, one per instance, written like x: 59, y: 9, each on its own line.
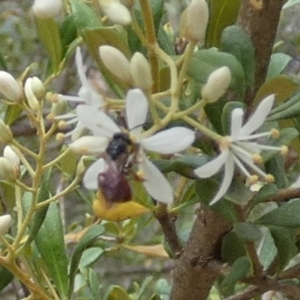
x: 241, y: 167
x: 71, y: 98
x: 53, y: 98
x: 284, y: 150
x: 275, y: 134
x: 66, y: 116
x: 254, y: 136
x: 60, y: 137
x: 257, y: 159
x: 269, y: 178
x: 140, y: 175
x: 252, y: 180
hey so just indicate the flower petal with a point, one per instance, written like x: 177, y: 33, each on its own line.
x: 259, y: 116
x: 213, y: 166
x: 90, y: 178
x: 90, y: 96
x: 236, y: 123
x: 155, y: 182
x: 169, y: 141
x: 136, y: 110
x: 96, y: 120
x: 228, y: 175
x: 89, y: 145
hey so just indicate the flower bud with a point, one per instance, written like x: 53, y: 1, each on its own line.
x: 6, y: 170
x: 34, y: 91
x: 116, y: 62
x: 196, y: 21
x: 116, y: 12
x: 140, y: 71
x: 47, y: 8
x: 9, y: 87
x: 5, y: 224
x: 216, y: 85
x: 13, y: 158
x: 5, y: 133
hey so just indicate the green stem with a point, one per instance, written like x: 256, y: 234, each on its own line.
x: 151, y: 38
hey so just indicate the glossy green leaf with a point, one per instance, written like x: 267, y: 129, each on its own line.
x: 234, y: 40
x: 12, y: 114
x: 213, y: 112
x: 222, y: 13
x: 48, y: 31
x: 285, y: 242
x: 6, y: 277
x: 247, y: 231
x: 239, y: 270
x: 51, y: 245
x: 204, y: 62
x: 85, y: 17
x: 233, y: 247
x: 144, y: 287
x: 287, y: 215
x: 87, y: 239
x: 277, y: 64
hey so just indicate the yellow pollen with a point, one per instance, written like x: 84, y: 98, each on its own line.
x: 257, y: 159
x: 132, y: 138
x: 284, y: 150
x: 62, y: 124
x: 252, y: 179
x: 53, y: 98
x: 60, y: 137
x: 275, y: 134
x: 269, y: 178
x: 225, y: 143
x: 51, y: 117
x: 140, y: 175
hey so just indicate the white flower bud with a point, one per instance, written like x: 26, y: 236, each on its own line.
x: 6, y: 170
x: 5, y: 224
x: 216, y: 85
x: 140, y: 71
x: 9, y: 87
x: 5, y: 132
x: 47, y: 8
x: 13, y: 158
x: 116, y: 12
x: 196, y: 20
x: 34, y: 91
x: 116, y: 62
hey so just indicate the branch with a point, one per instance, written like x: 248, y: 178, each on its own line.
x: 284, y: 195
x: 261, y: 25
x: 197, y: 268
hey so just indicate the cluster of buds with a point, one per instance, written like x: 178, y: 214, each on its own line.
x: 135, y: 72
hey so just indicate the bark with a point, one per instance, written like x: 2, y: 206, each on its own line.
x: 197, y: 268
x: 261, y: 25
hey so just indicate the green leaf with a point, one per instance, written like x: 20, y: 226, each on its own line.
x: 89, y: 256
x: 234, y: 40
x: 68, y: 32
x: 48, y: 32
x: 40, y: 215
x: 277, y: 64
x: 265, y: 192
x: 239, y: 270
x: 290, y: 3
x: 116, y: 293
x: 233, y: 247
x: 222, y: 13
x: 51, y: 245
x: 12, y: 114
x: 85, y: 16
x: 287, y: 215
x: 87, y: 239
x: 226, y: 115
x: 3, y: 62
x: 276, y: 167
x: 204, y: 62
x: 6, y: 277
x: 285, y: 241
x: 247, y: 231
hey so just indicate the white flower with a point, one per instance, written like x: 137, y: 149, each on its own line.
x: 238, y: 148
x: 9, y: 87
x: 86, y: 94
x: 166, y: 142
x: 5, y: 224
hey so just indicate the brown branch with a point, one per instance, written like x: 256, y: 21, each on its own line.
x: 197, y: 268
x: 261, y: 25
x: 293, y: 272
x: 284, y: 195
x: 167, y: 223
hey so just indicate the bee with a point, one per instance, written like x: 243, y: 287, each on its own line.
x: 113, y: 182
